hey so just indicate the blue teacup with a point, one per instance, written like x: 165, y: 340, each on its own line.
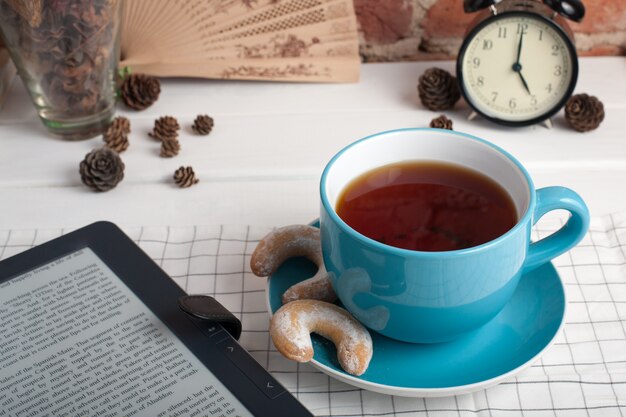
x: 429, y: 297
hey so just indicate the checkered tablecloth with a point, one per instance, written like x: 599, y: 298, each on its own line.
x: 582, y: 374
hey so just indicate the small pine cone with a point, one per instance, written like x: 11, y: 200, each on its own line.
x: 185, y: 177
x: 203, y: 125
x: 139, y: 91
x: 116, y: 135
x: 438, y: 89
x: 165, y: 127
x: 441, y: 122
x: 102, y: 169
x: 121, y: 123
x: 170, y: 147
x: 584, y: 112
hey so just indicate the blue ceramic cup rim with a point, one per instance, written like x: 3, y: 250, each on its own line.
x: 526, y: 217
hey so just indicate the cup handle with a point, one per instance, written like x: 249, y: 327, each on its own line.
x: 555, y: 198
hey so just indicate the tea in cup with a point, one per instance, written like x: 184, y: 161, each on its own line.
x: 425, y: 233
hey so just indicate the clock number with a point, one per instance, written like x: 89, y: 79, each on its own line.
x: 549, y: 88
x: 476, y: 62
x: 512, y: 103
x: 502, y: 32
x: 533, y: 100
x: 558, y: 70
x: 541, y: 35
x: 555, y: 50
x: 495, y: 96
x: 487, y: 44
x: 522, y: 28
x: 480, y: 81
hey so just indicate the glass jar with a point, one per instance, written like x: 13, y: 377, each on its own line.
x: 7, y: 72
x: 66, y: 52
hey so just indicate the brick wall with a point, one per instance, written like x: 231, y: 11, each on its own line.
x: 393, y: 30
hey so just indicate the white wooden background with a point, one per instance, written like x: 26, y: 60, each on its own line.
x: 261, y: 164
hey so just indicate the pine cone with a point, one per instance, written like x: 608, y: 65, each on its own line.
x: 140, y: 91
x: 116, y: 135
x: 31, y: 11
x: 102, y: 169
x: 203, y: 125
x: 441, y: 122
x: 170, y: 147
x: 185, y: 177
x: 584, y: 112
x: 165, y: 127
x: 438, y: 89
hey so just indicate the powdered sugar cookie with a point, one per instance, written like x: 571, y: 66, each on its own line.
x: 288, y: 242
x: 293, y: 323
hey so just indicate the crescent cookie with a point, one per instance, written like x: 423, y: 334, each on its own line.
x: 293, y: 323
x: 288, y: 242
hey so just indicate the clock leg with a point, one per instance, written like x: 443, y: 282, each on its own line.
x: 547, y: 123
x: 472, y: 115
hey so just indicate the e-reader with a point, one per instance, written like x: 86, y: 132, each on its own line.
x: 90, y: 325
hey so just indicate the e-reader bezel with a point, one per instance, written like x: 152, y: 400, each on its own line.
x: 160, y: 293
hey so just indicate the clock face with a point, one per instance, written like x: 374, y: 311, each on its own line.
x: 517, y: 68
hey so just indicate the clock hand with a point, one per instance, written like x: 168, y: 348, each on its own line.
x: 519, y: 47
x: 524, y: 82
x: 517, y: 67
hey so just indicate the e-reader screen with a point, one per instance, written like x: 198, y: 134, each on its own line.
x: 76, y: 341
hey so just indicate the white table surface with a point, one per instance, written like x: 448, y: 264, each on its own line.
x: 260, y: 167
x: 262, y: 162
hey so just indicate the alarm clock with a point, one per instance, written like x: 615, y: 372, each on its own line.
x: 517, y: 65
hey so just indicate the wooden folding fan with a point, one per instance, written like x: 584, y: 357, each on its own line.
x: 280, y: 40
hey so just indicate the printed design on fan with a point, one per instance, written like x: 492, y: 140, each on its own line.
x: 280, y: 46
x: 301, y: 70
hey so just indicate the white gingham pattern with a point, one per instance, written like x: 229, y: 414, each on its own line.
x: 582, y: 374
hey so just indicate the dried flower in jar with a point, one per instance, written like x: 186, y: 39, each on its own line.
x: 67, y: 49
